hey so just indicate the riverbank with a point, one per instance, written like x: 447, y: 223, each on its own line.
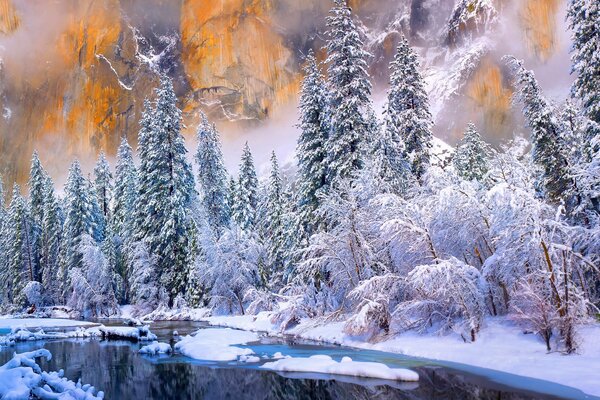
x: 500, y: 346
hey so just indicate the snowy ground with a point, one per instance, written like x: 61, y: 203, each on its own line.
x: 8, y: 322
x: 501, y: 346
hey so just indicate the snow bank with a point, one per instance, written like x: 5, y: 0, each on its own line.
x: 501, y: 346
x: 156, y: 348
x: 326, y: 365
x: 9, y: 323
x: 25, y: 335
x: 178, y: 314
x: 22, y: 378
x: 216, y: 344
x: 135, y: 333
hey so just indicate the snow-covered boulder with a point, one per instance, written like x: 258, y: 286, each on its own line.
x: 156, y: 348
x: 136, y: 334
x: 22, y: 378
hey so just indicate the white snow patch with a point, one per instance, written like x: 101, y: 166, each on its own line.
x: 326, y: 365
x: 216, y: 344
x: 9, y: 323
x: 156, y: 348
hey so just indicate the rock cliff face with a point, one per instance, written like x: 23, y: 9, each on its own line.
x: 74, y: 73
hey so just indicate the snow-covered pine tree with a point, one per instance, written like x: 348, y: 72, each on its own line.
x: 246, y: 199
x: 548, y: 144
x: 571, y: 123
x: 51, y: 242
x: 471, y: 156
x: 410, y: 106
x: 166, y: 190
x: 37, y: 177
x: 311, y: 149
x: 79, y: 220
x: 124, y: 192
x: 273, y: 228
x: 144, y: 178
x: 231, y: 197
x: 349, y: 94
x: 21, y: 247
x: 103, y: 185
x: 584, y: 21
x: 4, y: 243
x: 212, y: 175
x: 389, y: 151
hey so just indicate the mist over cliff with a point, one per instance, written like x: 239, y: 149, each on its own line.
x: 74, y: 73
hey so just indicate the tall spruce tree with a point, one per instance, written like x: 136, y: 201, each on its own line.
x: 311, y: 149
x: 166, y: 191
x: 37, y: 177
x: 21, y: 247
x: 349, y: 94
x: 548, y: 144
x: 80, y: 219
x: 125, y: 192
x: 51, y: 242
x: 4, y: 245
x: 389, y: 154
x: 246, y: 200
x: 471, y: 156
x: 212, y: 175
x: 103, y: 185
x: 584, y: 21
x: 408, y: 109
x: 273, y: 227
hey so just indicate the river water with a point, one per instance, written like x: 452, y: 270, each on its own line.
x: 121, y: 372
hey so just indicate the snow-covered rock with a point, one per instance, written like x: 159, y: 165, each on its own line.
x: 217, y: 344
x: 156, y: 348
x: 326, y: 365
x: 136, y: 334
x: 22, y: 378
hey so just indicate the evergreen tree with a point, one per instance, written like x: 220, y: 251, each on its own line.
x: 471, y: 156
x: 408, y: 109
x: 311, y: 149
x: 349, y: 94
x: 51, y: 242
x: 274, y: 225
x: 584, y: 21
x: 125, y: 192
x: 212, y: 175
x: 37, y: 177
x: 4, y: 246
x: 232, y: 197
x: 389, y: 153
x: 80, y: 220
x: 548, y: 144
x: 246, y: 201
x: 103, y: 185
x: 166, y: 191
x: 21, y: 247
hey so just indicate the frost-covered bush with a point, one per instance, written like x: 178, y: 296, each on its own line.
x: 143, y: 285
x: 233, y: 269
x: 33, y: 293
x: 447, y: 295
x: 92, y: 284
x: 373, y: 301
x: 341, y: 257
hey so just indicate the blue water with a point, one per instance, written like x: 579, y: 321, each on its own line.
x: 117, y: 368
